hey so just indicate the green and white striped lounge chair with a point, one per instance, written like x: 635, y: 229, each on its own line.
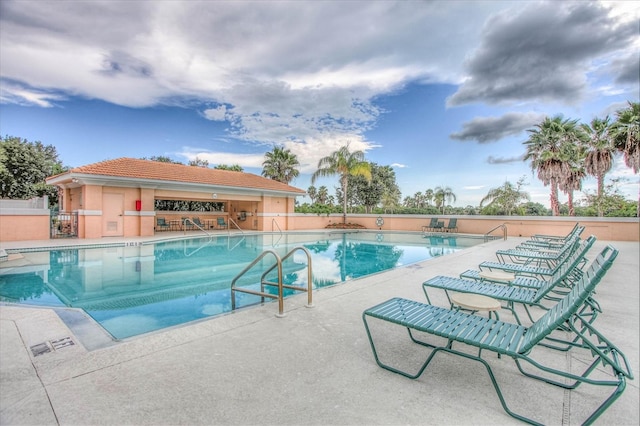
x: 531, y: 268
x: 556, y: 238
x: 513, y: 295
x: 511, y: 340
x: 574, y: 263
x: 550, y: 245
x: 537, y: 257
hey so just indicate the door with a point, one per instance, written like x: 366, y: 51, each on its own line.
x: 112, y: 215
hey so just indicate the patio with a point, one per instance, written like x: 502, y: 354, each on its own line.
x: 314, y: 366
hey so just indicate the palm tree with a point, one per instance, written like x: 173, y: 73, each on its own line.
x: 507, y: 197
x: 543, y: 149
x: 343, y: 163
x: 312, y: 193
x: 626, y: 131
x: 428, y: 195
x: 626, y: 136
x: 323, y: 195
x: 600, y: 151
x: 442, y: 194
x: 280, y: 164
x: 573, y: 171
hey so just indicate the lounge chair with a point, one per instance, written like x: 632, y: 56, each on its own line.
x: 221, y: 223
x: 521, y: 278
x: 162, y: 225
x: 551, y: 244
x: 549, y: 290
x: 538, y: 257
x: 197, y: 223
x: 431, y: 226
x: 187, y: 225
x: 452, y: 226
x: 556, y: 238
x: 512, y: 340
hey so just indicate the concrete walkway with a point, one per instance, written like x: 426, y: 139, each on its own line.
x: 313, y: 367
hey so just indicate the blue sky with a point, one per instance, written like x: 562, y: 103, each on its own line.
x: 441, y: 91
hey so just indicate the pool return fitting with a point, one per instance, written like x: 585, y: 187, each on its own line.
x: 279, y: 284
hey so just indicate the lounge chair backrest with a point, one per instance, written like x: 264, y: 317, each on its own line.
x: 452, y: 223
x: 571, y: 302
x: 161, y: 221
x: 433, y: 223
x: 568, y: 266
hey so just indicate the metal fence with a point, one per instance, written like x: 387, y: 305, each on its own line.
x: 64, y: 225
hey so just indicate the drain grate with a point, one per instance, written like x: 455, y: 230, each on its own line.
x: 52, y: 345
x: 40, y: 348
x: 62, y: 343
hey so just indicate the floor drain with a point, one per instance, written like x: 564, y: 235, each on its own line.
x: 40, y: 348
x: 52, y: 345
x: 62, y: 343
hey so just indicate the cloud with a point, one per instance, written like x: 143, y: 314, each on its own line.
x: 298, y: 73
x: 399, y: 166
x: 491, y: 129
x: 505, y: 160
x: 627, y: 70
x: 473, y: 187
x: 543, y: 52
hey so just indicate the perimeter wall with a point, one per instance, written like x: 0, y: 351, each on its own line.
x: 603, y: 228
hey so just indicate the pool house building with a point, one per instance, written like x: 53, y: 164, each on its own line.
x: 127, y: 197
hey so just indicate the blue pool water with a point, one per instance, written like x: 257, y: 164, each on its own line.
x: 137, y: 289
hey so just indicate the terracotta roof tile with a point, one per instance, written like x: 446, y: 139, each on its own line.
x: 155, y: 170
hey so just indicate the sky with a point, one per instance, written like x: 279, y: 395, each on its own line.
x: 442, y: 91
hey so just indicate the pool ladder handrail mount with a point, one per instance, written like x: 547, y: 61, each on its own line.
x: 280, y: 283
x: 504, y: 232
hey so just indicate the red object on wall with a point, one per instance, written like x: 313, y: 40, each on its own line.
x: 138, y: 205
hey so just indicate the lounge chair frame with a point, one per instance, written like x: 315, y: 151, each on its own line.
x: 559, y: 284
x: 512, y: 340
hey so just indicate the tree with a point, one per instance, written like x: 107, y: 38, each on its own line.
x: 543, y: 149
x: 323, y: 195
x: 506, y: 197
x: 442, y: 194
x: 24, y: 166
x: 312, y: 192
x: 612, y: 202
x: 161, y: 159
x: 600, y: 150
x: 280, y: 164
x: 343, y: 163
x: 626, y: 136
x: 198, y: 162
x: 233, y: 168
x: 369, y: 193
x: 573, y: 171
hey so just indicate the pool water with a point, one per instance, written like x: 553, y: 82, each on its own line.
x: 131, y: 290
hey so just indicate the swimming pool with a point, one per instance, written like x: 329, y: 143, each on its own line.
x: 131, y: 290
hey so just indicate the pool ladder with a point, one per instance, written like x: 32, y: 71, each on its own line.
x: 279, y: 284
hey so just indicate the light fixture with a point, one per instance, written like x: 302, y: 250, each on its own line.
x: 74, y: 180
x: 215, y: 196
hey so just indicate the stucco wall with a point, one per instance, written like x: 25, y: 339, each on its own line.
x: 22, y: 227
x: 607, y: 229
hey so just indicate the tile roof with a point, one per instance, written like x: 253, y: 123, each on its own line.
x: 159, y: 171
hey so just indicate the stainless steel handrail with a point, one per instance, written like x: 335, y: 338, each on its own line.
x: 280, y: 283
x: 262, y: 294
x: 184, y: 222
x: 273, y: 221
x: 309, y: 288
x: 236, y: 225
x: 504, y: 232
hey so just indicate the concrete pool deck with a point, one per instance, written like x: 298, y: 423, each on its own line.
x: 314, y: 366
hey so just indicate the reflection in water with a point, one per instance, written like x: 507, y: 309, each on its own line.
x: 133, y: 290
